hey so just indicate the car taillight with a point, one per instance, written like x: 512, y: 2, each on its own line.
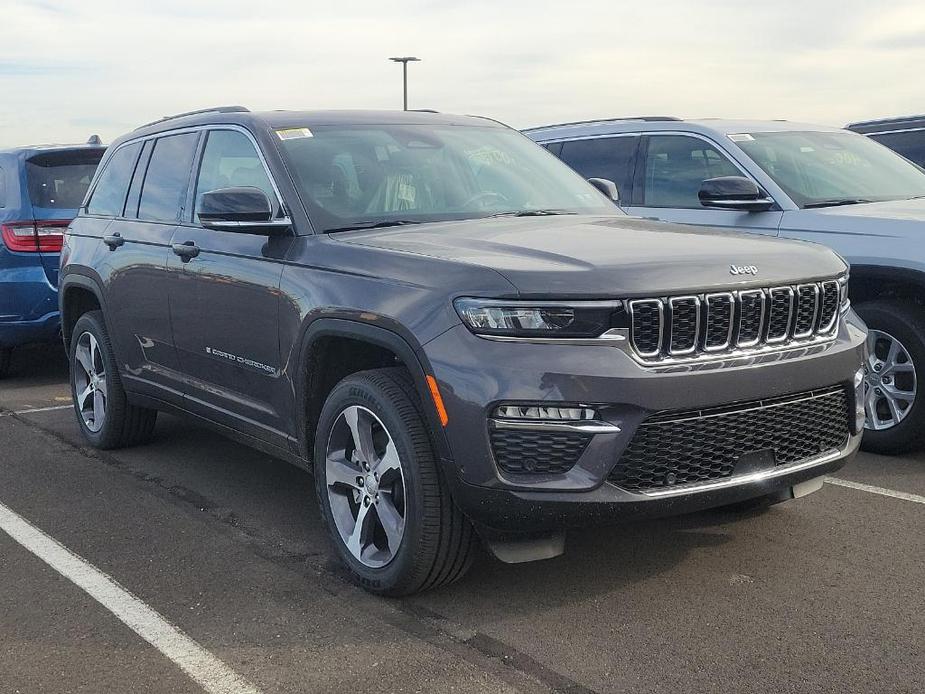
x: 34, y: 237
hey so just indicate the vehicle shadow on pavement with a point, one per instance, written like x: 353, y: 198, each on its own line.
x: 37, y: 365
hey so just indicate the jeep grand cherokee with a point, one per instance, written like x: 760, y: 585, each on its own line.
x: 458, y: 335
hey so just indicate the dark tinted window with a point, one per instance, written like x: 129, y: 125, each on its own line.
x: 165, y: 185
x: 910, y: 144
x: 230, y: 160
x: 108, y: 197
x: 676, y: 165
x: 59, y: 180
x: 612, y: 158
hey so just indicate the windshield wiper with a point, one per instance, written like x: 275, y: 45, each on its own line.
x: 835, y: 202
x: 373, y: 224
x: 529, y: 213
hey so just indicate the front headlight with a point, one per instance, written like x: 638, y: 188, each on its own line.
x: 539, y: 318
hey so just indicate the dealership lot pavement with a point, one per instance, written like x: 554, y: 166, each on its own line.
x: 825, y: 594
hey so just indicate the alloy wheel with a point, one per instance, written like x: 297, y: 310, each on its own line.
x: 890, y: 384
x: 90, y: 388
x: 365, y: 486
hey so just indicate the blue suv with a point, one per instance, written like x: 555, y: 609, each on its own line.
x: 797, y: 181
x: 41, y: 188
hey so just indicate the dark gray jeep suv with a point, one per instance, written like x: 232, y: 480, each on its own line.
x: 453, y: 330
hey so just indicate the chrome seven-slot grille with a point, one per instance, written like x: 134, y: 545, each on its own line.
x: 723, y: 322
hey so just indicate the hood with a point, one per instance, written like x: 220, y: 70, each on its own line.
x: 890, y: 219
x: 608, y: 257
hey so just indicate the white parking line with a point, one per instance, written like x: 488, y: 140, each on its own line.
x: 37, y: 409
x: 905, y: 496
x: 203, y: 667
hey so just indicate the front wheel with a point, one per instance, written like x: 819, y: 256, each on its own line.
x: 382, y: 498
x: 106, y: 418
x: 892, y: 384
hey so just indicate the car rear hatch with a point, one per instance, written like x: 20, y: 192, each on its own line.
x: 57, y: 183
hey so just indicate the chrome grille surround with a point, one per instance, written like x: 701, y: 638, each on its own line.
x: 759, y: 320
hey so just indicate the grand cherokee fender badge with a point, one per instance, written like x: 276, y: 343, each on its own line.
x: 743, y: 270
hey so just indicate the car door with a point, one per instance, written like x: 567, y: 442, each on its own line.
x: 134, y: 247
x: 671, y: 168
x: 612, y: 157
x: 225, y: 299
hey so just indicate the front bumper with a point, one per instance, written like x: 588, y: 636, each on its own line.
x: 476, y: 374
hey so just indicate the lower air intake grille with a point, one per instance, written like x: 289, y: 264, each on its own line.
x: 683, y: 448
x: 537, y: 452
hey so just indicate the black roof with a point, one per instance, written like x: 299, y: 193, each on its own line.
x: 882, y: 124
x: 292, y: 119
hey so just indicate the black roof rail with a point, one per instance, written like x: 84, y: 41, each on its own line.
x: 214, y: 109
x: 898, y: 120
x: 646, y: 119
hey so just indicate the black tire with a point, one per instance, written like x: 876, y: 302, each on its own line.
x: 124, y: 424
x: 906, y: 322
x: 439, y: 543
x: 6, y: 354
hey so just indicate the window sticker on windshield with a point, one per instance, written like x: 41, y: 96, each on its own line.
x: 740, y: 137
x: 406, y: 193
x: 293, y: 133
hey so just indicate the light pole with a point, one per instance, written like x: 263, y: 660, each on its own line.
x: 404, y: 70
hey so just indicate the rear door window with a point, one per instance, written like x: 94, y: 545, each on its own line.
x: 108, y: 199
x: 166, y: 181
x: 230, y: 160
x: 676, y: 165
x: 613, y: 158
x: 59, y: 180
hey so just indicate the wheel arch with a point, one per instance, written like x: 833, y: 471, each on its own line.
x: 78, y: 295
x: 369, y: 346
x: 869, y: 282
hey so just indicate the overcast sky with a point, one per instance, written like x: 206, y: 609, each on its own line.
x: 69, y: 69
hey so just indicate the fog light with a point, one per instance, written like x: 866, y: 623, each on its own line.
x: 545, y: 413
x: 860, y: 415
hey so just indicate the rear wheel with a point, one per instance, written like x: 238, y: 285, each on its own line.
x: 382, y: 498
x: 893, y: 387
x: 6, y: 354
x: 104, y: 415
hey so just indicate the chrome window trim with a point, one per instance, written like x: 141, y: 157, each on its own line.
x: 812, y: 325
x: 732, y: 311
x: 661, y: 325
x: 746, y: 344
x: 671, y: 304
x: 783, y: 338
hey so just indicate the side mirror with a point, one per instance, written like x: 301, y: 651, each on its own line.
x: 244, y: 209
x: 734, y: 193
x: 607, y: 187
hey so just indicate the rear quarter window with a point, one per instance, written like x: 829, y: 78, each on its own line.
x: 108, y: 199
x: 59, y: 180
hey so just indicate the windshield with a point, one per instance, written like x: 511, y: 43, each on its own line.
x: 819, y: 169
x: 377, y: 175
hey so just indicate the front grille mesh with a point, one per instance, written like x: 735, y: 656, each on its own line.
x: 686, y: 326
x: 685, y: 448
x: 537, y: 452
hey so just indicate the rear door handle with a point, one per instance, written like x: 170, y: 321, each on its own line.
x: 113, y: 240
x: 186, y: 250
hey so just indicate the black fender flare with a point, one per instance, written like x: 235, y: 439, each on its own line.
x: 75, y: 279
x: 387, y: 334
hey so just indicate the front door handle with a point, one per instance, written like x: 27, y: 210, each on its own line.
x: 113, y: 240
x: 186, y: 250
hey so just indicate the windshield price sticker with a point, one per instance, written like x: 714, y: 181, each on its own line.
x: 294, y: 133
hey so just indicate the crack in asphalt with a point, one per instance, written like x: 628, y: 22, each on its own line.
x: 490, y: 655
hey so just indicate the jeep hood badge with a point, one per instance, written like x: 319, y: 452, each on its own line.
x: 743, y: 270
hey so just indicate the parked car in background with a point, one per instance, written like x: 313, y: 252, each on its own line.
x: 798, y: 181
x: 905, y: 135
x: 456, y: 333
x: 41, y: 188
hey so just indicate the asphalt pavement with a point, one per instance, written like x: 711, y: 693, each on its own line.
x: 223, y: 544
